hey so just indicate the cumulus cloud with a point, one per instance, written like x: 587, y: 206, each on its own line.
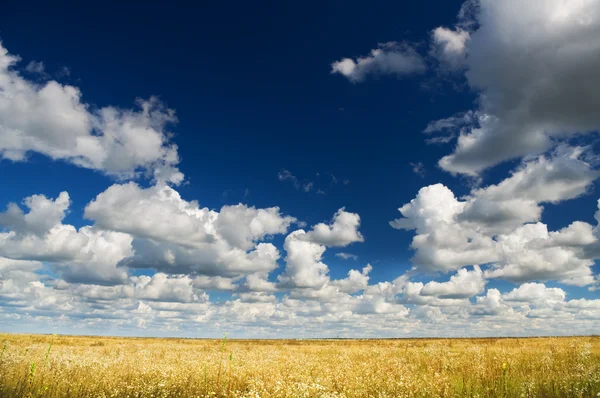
x: 164, y: 288
x: 304, y: 267
x: 159, y: 213
x: 42, y: 216
x: 342, y: 231
x: 356, y: 280
x: 442, y: 243
x: 535, y: 293
x: 535, y: 73
x: 500, y: 226
x: 462, y: 285
x: 533, y: 253
x: 80, y: 254
x: 307, y: 276
x: 392, y: 58
x: 177, y: 236
x: 450, y: 47
x: 51, y: 119
x: 505, y: 206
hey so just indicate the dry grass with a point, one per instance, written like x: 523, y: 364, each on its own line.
x: 64, y: 366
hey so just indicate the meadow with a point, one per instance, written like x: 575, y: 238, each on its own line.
x: 70, y: 366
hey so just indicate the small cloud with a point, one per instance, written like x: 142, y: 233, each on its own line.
x: 302, y: 224
x: 347, y: 256
x: 64, y: 72
x: 440, y: 139
x: 333, y: 178
x: 307, y: 186
x: 320, y: 185
x: 286, y: 175
x: 418, y: 168
x: 37, y: 68
x: 235, y: 194
x: 391, y: 58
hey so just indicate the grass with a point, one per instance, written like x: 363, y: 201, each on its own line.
x: 137, y: 367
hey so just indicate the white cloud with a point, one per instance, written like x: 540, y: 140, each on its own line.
x: 161, y: 287
x: 342, y: 231
x: 441, y: 243
x: 177, y: 236
x: 463, y: 284
x: 561, y: 176
x: 43, y: 214
x: 86, y: 253
x: 535, y: 293
x: 36, y: 67
x: 167, y: 304
x: 499, y: 225
x: 548, y: 179
x: 303, y: 262
x: 392, y: 58
x: 241, y: 226
x: 450, y: 47
x: 535, y: 71
x: 355, y: 282
x: 347, y: 256
x: 7, y: 265
x: 50, y: 119
x: 215, y: 283
x: 532, y: 253
x: 159, y: 213
x: 490, y: 304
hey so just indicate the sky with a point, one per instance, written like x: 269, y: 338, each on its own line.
x: 304, y: 170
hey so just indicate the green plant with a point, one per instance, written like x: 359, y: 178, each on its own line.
x: 48, y: 351
x: 221, y: 362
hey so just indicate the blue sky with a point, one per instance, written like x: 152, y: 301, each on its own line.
x: 308, y: 108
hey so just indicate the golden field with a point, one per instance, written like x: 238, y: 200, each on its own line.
x: 68, y: 366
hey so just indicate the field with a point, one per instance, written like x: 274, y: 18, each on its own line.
x: 67, y: 366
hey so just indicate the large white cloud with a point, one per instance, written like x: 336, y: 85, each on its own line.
x: 304, y: 267
x: 501, y: 208
x: 51, y: 119
x: 86, y: 253
x: 532, y: 253
x: 499, y: 225
x: 442, y: 243
x: 159, y: 213
x: 177, y: 236
x: 534, y: 67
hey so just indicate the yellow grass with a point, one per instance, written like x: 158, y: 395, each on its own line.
x: 63, y: 366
